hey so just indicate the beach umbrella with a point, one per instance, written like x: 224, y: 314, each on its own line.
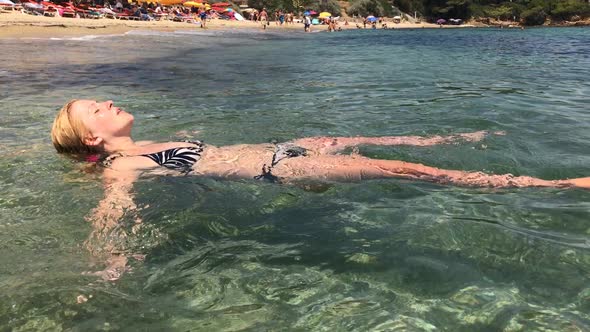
x: 441, y: 21
x: 221, y: 4
x: 312, y: 12
x: 306, y: 13
x: 325, y: 14
x: 371, y: 19
x: 166, y: 2
x: 6, y: 2
x: 192, y: 4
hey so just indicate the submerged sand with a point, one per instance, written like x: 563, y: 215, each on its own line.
x: 14, y: 24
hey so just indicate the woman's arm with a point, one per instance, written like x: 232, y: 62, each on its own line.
x: 579, y: 182
x: 108, y: 237
x: 330, y: 145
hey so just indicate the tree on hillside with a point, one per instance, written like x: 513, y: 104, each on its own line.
x: 531, y: 12
x: 410, y: 6
x: 566, y: 10
x: 370, y: 7
x: 448, y: 8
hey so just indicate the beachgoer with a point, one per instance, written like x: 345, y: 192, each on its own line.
x: 331, y: 24
x: 264, y: 18
x: 307, y: 23
x: 203, y: 16
x: 99, y: 128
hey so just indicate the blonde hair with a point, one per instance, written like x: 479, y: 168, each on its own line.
x: 68, y: 133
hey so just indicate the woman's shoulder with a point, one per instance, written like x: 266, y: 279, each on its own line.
x: 119, y: 162
x: 153, y: 147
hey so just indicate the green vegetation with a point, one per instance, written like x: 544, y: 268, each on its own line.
x: 528, y: 12
x: 372, y: 7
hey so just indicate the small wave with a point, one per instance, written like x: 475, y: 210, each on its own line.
x: 150, y: 33
x: 76, y: 38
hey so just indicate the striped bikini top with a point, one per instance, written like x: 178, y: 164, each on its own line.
x: 178, y: 159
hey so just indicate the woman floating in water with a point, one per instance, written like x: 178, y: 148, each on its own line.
x: 99, y: 128
x: 101, y: 132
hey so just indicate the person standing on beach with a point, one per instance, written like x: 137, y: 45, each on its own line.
x: 203, y: 16
x: 263, y: 18
x: 332, y: 23
x: 281, y: 17
x: 307, y: 23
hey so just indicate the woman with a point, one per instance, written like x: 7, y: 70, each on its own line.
x: 89, y: 128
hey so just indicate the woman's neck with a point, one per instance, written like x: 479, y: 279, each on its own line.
x: 124, y: 145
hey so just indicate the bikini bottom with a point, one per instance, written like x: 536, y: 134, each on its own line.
x: 282, y: 151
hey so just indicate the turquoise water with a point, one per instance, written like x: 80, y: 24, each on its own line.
x: 244, y: 255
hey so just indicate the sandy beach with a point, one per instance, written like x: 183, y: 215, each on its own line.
x: 20, y: 25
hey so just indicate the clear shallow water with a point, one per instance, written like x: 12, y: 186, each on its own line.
x: 244, y: 255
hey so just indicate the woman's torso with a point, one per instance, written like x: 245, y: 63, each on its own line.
x: 244, y: 160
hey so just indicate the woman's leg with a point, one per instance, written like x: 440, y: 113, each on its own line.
x: 329, y: 145
x: 354, y: 168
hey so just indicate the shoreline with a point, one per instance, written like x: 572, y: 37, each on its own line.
x: 15, y: 25
x: 19, y: 25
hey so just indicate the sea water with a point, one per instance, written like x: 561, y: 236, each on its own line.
x: 247, y: 255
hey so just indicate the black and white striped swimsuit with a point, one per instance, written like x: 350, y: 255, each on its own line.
x: 183, y: 159
x: 178, y: 159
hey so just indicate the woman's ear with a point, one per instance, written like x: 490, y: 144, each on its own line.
x: 92, y: 141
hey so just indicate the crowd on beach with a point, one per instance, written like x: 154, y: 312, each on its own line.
x: 120, y: 9
x: 195, y: 12
x: 308, y: 19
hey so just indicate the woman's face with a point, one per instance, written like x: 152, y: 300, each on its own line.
x: 102, y: 119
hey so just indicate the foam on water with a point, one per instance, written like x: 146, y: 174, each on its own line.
x: 76, y: 38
